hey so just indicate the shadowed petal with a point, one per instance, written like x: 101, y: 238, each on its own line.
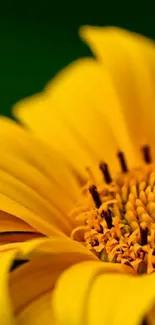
x: 6, y: 310
x: 39, y: 312
x: 31, y: 284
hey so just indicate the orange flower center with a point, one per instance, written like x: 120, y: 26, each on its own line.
x: 116, y: 220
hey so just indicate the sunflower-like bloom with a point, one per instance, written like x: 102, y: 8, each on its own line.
x: 77, y: 191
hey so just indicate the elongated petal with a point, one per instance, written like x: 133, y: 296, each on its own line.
x: 10, y: 223
x: 20, y: 143
x: 130, y: 60
x: 13, y: 229
x: 91, y: 293
x: 6, y: 310
x: 39, y: 312
x: 31, y: 284
x: 93, y: 92
x: 18, y: 236
x: 71, y: 115
x: 136, y: 297
x: 35, y: 184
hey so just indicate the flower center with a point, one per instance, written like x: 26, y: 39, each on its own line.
x: 116, y: 219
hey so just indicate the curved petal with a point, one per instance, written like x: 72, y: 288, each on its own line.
x: 39, y: 312
x: 10, y: 223
x: 14, y: 229
x: 6, y: 310
x: 33, y: 282
x: 36, y: 186
x: 71, y: 115
x: 130, y: 61
x: 102, y: 296
x: 18, y: 236
x: 131, y: 308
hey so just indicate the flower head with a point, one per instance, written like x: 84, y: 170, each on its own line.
x: 77, y: 199
x: 117, y: 219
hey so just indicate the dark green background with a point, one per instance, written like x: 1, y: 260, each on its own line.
x: 37, y: 38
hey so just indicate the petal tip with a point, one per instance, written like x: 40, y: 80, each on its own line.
x: 25, y: 104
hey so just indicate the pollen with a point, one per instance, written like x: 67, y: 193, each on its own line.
x: 116, y: 219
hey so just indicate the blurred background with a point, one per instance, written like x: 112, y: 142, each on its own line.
x: 38, y: 38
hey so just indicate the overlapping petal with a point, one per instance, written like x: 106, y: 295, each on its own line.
x: 30, y: 286
x: 64, y: 281
x: 130, y: 61
x: 72, y: 115
x: 88, y: 112
x: 99, y: 294
x: 37, y: 190
x: 6, y: 310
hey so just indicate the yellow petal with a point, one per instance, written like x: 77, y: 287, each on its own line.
x: 12, y: 223
x: 77, y: 102
x: 35, y: 184
x: 34, y: 220
x: 6, y: 310
x: 134, y: 301
x: 90, y: 293
x: 73, y: 290
x: 129, y: 59
x: 17, y: 236
x: 23, y: 249
x: 48, y: 259
x: 22, y: 144
x: 39, y: 312
x: 13, y: 229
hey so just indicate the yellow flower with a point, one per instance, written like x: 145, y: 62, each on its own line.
x: 64, y: 283
x: 95, y: 117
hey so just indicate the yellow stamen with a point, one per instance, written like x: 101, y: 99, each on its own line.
x: 117, y: 217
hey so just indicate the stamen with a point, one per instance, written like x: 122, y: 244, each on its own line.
x: 107, y: 215
x: 146, y: 154
x: 122, y: 228
x: 104, y: 168
x: 95, y: 195
x: 95, y: 243
x: 143, y: 234
x: 122, y: 161
x: 144, y: 322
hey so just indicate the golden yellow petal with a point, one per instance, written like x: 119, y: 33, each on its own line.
x: 17, y: 236
x: 72, y: 115
x: 10, y: 223
x: 48, y: 258
x: 20, y: 143
x: 129, y: 59
x: 135, y: 299
x: 26, y: 197
x: 24, y: 248
x: 39, y: 312
x: 102, y: 295
x: 13, y: 229
x: 74, y: 288
x: 34, y: 220
x: 6, y: 310
x: 35, y: 183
